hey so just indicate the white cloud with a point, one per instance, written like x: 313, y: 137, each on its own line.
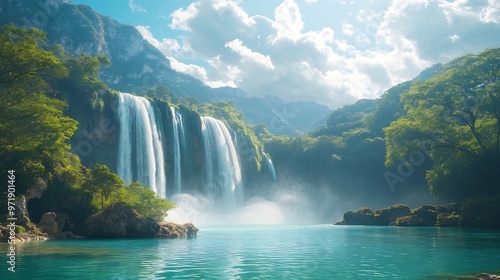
x: 428, y: 26
x: 136, y: 8
x: 276, y: 56
x: 249, y: 56
x: 166, y: 46
x: 288, y: 20
x: 491, y: 13
x: 348, y: 29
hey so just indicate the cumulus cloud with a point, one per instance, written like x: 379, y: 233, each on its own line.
x: 167, y: 46
x: 288, y: 20
x: 375, y: 50
x: 432, y: 28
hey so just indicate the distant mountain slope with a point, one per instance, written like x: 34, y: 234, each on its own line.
x: 136, y: 64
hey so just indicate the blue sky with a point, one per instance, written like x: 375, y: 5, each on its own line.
x: 329, y: 51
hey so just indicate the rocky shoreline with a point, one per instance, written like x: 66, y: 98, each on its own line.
x: 453, y: 215
x: 115, y: 221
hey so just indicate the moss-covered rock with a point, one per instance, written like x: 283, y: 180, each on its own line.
x: 363, y: 216
x: 121, y: 221
x: 401, y: 215
x: 386, y: 216
x: 428, y: 215
x: 380, y: 217
x: 171, y: 230
x: 410, y: 220
x: 448, y: 220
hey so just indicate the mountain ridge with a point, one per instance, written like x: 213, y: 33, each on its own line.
x: 136, y: 64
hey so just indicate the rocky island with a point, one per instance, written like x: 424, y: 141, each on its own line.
x: 476, y: 213
x: 115, y: 221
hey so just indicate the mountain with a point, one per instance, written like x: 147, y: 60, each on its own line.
x: 136, y: 64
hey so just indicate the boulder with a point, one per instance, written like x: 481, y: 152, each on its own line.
x: 363, y: 216
x: 171, y: 230
x: 120, y: 221
x: 387, y: 216
x: 407, y: 221
x: 51, y: 224
x: 192, y: 231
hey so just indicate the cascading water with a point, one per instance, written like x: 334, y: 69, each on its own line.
x: 178, y: 139
x: 140, y: 150
x: 221, y: 160
x: 270, y: 166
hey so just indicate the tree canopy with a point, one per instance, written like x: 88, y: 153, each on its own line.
x: 454, y: 118
x: 33, y: 126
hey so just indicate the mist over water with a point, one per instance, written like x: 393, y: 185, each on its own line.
x: 282, y: 208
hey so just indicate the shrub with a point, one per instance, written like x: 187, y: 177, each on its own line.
x: 144, y: 201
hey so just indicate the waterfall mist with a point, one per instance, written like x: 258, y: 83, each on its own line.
x: 286, y: 204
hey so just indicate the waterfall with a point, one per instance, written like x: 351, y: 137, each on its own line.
x: 178, y: 129
x: 221, y: 160
x: 140, y: 150
x: 270, y: 166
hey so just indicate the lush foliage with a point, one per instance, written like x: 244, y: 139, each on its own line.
x: 441, y: 129
x: 34, y: 129
x: 143, y: 200
x: 37, y: 80
x: 454, y: 118
x: 101, y: 182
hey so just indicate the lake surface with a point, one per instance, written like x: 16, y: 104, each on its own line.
x: 267, y: 252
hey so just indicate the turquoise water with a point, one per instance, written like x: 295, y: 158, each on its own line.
x: 268, y: 252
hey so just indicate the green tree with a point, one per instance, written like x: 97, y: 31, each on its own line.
x: 83, y: 85
x: 102, y: 182
x: 454, y: 118
x: 33, y: 127
x: 144, y: 201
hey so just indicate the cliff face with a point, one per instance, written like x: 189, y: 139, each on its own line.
x: 136, y: 64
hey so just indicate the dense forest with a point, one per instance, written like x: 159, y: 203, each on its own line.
x: 38, y: 81
x: 437, y: 134
x: 435, y: 138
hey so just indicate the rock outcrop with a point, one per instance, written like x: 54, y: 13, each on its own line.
x: 51, y: 224
x: 430, y: 215
x: 171, y: 230
x: 22, y: 214
x: 121, y: 221
x: 401, y: 215
x: 380, y: 217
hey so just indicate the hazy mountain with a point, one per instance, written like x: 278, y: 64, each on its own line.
x: 137, y: 64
